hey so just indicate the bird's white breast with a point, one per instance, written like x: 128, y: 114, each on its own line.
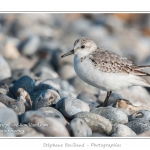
x: 105, y: 81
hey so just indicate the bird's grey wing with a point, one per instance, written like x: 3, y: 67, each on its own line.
x: 111, y: 62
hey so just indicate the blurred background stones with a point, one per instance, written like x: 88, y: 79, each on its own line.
x: 30, y: 50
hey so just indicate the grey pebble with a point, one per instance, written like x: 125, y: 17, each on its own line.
x: 44, y: 98
x: 17, y: 106
x: 25, y: 131
x: 49, y: 126
x: 4, y: 88
x: 88, y: 98
x: 8, y: 116
x: 113, y: 114
x: 6, y: 130
x: 30, y: 45
x: 140, y: 114
x: 64, y: 73
x: 121, y: 130
x: 2, y: 105
x: 139, y: 125
x: 70, y: 106
x: 25, y: 82
x: 52, y: 112
x: 79, y: 128
x: 25, y: 117
x: 52, y: 83
x: 96, y: 122
x: 5, y: 71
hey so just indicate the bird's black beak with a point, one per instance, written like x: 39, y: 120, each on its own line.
x: 68, y: 53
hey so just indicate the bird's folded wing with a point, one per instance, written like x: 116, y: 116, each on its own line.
x: 110, y: 62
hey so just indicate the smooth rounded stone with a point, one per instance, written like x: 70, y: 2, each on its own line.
x: 56, y: 61
x: 52, y: 112
x: 139, y: 125
x: 30, y: 45
x: 46, y: 73
x: 27, y: 131
x: 70, y: 106
x: 81, y: 86
x: 10, y: 51
x: 66, y: 86
x: 2, y: 105
x: 121, y: 130
x: 5, y: 71
x: 79, y: 128
x: 64, y: 93
x: 49, y: 84
x: 8, y: 116
x: 49, y: 126
x: 126, y: 106
x: 6, y: 130
x: 44, y: 70
x: 44, y: 98
x: 140, y: 114
x: 18, y: 73
x: 17, y: 106
x: 25, y: 117
x: 3, y: 88
x: 64, y: 73
x: 25, y: 82
x: 88, y: 98
x: 96, y: 122
x: 113, y: 114
x: 23, y: 63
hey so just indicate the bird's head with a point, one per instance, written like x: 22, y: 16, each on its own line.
x: 82, y: 47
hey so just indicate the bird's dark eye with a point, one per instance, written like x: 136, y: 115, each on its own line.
x: 82, y: 46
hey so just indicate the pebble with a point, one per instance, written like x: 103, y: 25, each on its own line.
x: 52, y: 126
x: 70, y: 106
x: 145, y: 134
x: 88, y: 98
x: 3, y: 88
x: 64, y: 73
x: 44, y: 70
x: 52, y: 112
x: 126, y: 106
x: 49, y: 84
x: 113, y: 114
x: 30, y: 45
x: 17, y: 106
x: 139, y: 125
x: 96, y: 122
x: 79, y: 128
x: 25, y: 82
x: 81, y: 86
x: 6, y: 130
x: 5, y: 71
x: 8, y: 116
x: 18, y: 73
x: 44, y: 98
x: 145, y: 114
x: 10, y: 51
x: 121, y: 130
x: 26, y: 117
x: 2, y: 105
x: 26, y: 131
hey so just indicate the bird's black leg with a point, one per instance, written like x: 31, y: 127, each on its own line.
x: 105, y: 103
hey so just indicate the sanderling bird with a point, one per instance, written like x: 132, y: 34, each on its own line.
x: 104, y: 69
